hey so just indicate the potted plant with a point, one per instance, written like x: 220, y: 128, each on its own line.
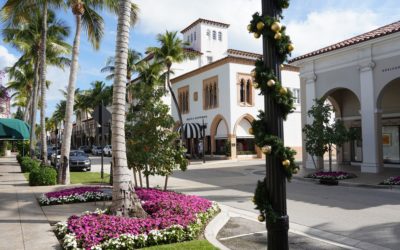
x: 8, y: 147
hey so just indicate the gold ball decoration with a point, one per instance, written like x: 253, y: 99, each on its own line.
x: 253, y: 73
x: 251, y: 131
x: 255, y: 85
x: 290, y: 47
x: 261, y: 218
x: 249, y: 27
x: 282, y: 66
x: 260, y: 26
x: 278, y: 36
x: 253, y: 199
x: 270, y: 83
x: 283, y: 91
x: 286, y: 163
x: 257, y: 35
x: 276, y: 27
x: 295, y: 171
x: 266, y: 149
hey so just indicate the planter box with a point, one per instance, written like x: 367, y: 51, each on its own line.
x: 329, y: 182
x: 7, y: 153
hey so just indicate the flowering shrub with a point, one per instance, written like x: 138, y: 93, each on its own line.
x: 340, y: 175
x: 392, y: 181
x: 73, y: 195
x: 172, y: 217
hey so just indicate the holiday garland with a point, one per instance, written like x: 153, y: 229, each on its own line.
x: 268, y: 83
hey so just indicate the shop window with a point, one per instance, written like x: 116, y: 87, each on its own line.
x: 183, y: 99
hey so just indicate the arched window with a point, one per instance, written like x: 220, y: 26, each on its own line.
x: 210, y: 88
x: 220, y: 36
x: 242, y: 90
x: 214, y: 35
x: 215, y: 101
x: 248, y: 92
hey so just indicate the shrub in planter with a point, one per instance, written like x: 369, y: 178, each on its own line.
x: 27, y: 164
x: 19, y: 158
x: 43, y: 176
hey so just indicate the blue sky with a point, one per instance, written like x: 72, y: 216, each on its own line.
x: 312, y: 24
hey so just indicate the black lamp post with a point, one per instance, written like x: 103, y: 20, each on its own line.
x: 275, y: 176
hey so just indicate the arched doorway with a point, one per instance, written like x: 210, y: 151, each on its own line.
x: 219, y: 136
x: 346, y: 106
x: 245, y: 143
x: 389, y: 106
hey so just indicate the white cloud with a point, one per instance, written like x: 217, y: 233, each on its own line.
x: 59, y: 80
x: 321, y: 29
x: 158, y: 16
x: 6, y: 58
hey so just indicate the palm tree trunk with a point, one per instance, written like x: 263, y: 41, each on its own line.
x: 42, y: 80
x: 32, y: 138
x: 124, y: 198
x: 177, y: 106
x: 28, y: 109
x: 66, y: 143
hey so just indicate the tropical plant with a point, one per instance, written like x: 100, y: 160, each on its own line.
x: 124, y: 200
x: 133, y: 58
x: 171, y: 51
x: 322, y: 134
x: 150, y: 140
x: 85, y: 16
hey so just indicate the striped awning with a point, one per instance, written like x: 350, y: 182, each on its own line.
x: 191, y: 130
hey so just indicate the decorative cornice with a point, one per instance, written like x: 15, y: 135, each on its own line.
x: 366, y: 66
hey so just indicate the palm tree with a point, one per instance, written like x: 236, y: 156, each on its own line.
x: 86, y: 17
x: 124, y: 200
x: 171, y: 51
x: 133, y: 58
x: 27, y: 38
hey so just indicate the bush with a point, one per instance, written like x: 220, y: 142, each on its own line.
x: 22, y: 147
x: 28, y: 165
x: 43, y: 176
x: 19, y: 158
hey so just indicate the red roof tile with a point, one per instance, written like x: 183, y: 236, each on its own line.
x: 379, y: 32
x: 201, y: 20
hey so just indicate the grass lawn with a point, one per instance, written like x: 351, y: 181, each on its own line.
x: 193, y: 245
x: 84, y: 177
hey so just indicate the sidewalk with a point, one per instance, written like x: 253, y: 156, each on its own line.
x: 23, y: 224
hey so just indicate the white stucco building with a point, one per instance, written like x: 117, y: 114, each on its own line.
x: 217, y: 88
x: 361, y: 78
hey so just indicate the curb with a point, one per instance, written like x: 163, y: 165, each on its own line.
x: 351, y: 184
x: 227, y: 212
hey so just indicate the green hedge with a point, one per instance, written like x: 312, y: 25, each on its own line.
x: 43, y: 176
x: 28, y: 165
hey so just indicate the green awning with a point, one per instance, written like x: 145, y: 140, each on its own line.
x: 13, y: 129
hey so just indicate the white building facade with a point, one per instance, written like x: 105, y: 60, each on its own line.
x: 219, y: 92
x: 361, y: 78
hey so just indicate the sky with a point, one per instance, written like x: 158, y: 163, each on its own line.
x: 311, y: 24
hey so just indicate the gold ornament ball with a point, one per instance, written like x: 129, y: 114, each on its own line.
x: 257, y: 35
x: 282, y: 66
x: 249, y: 27
x: 295, y: 171
x: 255, y: 85
x: 271, y: 83
x: 253, y: 73
x: 261, y: 218
x: 253, y: 199
x: 283, y: 91
x: 276, y: 27
x: 251, y: 131
x: 266, y: 149
x: 290, y: 47
x: 286, y: 163
x: 260, y: 26
x: 278, y: 36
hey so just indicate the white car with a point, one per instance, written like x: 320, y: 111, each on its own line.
x: 107, y: 150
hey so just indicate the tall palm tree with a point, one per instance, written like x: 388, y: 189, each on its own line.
x: 124, y: 200
x: 171, y: 51
x: 133, y: 58
x: 86, y: 17
x: 28, y: 37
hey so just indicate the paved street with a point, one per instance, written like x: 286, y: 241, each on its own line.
x: 96, y: 163
x: 364, y: 214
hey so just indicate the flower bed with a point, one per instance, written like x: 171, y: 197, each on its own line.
x: 340, y: 175
x: 73, y: 195
x: 172, y: 217
x: 391, y: 181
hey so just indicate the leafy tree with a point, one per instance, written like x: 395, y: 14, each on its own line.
x: 151, y: 142
x: 321, y: 135
x: 19, y: 114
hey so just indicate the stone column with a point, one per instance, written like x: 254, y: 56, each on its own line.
x: 232, y: 139
x: 370, y: 121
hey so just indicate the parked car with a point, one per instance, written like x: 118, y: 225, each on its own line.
x: 94, y: 149
x: 55, y: 156
x: 85, y: 149
x: 79, y: 160
x: 107, y: 150
x: 97, y: 150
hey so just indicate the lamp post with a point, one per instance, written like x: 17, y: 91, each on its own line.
x: 275, y: 176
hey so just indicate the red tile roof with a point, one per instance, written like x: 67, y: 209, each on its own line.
x: 379, y: 32
x: 201, y: 20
